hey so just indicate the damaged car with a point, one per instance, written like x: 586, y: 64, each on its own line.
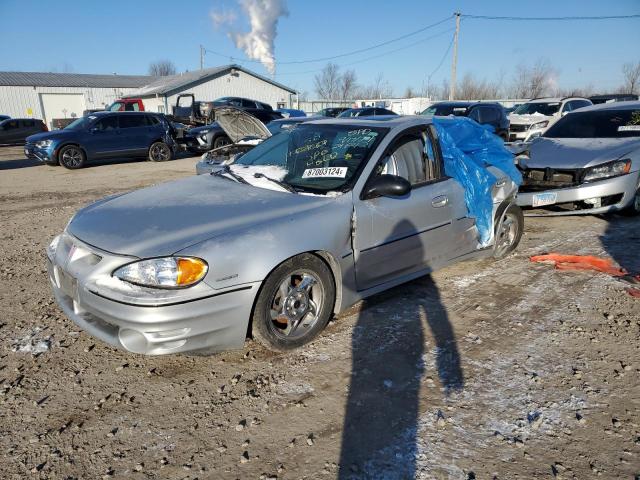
x: 243, y: 132
x: 298, y: 229
x: 587, y: 163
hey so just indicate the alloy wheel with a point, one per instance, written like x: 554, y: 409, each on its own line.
x: 296, y: 304
x: 159, y: 153
x: 72, y: 157
x: 507, y: 234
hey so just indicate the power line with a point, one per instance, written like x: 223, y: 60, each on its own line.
x: 443, y: 56
x: 376, y: 56
x: 553, y: 19
x: 354, y: 52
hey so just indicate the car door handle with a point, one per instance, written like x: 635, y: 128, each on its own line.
x: 440, y: 201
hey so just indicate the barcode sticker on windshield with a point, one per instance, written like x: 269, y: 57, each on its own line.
x: 629, y: 128
x: 334, y: 172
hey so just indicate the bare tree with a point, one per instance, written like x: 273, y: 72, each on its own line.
x: 347, y: 85
x: 532, y: 81
x: 631, y: 75
x: 162, y: 68
x: 327, y: 82
x: 471, y: 88
x: 409, y: 92
x: 380, y: 88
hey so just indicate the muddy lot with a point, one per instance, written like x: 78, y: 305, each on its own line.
x: 485, y: 370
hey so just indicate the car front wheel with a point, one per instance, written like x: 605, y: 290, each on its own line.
x: 159, y: 152
x: 295, y: 303
x: 509, y: 232
x: 72, y: 157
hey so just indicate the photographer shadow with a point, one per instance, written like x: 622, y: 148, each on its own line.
x: 381, y: 423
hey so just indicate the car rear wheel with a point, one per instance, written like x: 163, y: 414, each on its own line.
x: 159, y: 152
x: 634, y: 207
x: 72, y: 157
x: 295, y: 303
x: 509, y: 232
x: 221, y: 141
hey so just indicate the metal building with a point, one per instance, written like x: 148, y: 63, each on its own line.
x: 52, y: 96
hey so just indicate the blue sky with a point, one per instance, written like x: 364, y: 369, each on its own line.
x: 125, y: 36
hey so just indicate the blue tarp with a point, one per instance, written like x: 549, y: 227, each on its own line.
x: 468, y: 148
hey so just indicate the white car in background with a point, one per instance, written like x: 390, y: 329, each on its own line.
x: 531, y: 119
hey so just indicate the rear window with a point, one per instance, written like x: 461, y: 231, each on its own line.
x: 597, y: 124
x: 444, y: 110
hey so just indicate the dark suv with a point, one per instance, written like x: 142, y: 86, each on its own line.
x: 104, y: 135
x: 485, y: 113
x: 14, y: 131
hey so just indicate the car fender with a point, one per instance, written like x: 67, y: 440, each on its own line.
x: 250, y: 254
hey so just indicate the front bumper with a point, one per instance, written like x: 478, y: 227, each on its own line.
x: 625, y: 185
x: 215, y: 322
x: 45, y: 155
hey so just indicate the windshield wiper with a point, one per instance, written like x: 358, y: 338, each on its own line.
x: 225, y: 170
x: 286, y: 186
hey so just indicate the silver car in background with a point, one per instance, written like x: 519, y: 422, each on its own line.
x: 300, y: 228
x: 586, y: 163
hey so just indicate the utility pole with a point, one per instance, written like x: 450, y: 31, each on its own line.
x: 202, y: 52
x: 454, y: 61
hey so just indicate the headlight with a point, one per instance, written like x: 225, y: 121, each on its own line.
x: 44, y: 143
x: 167, y: 272
x: 539, y: 125
x: 607, y: 170
x: 52, y: 247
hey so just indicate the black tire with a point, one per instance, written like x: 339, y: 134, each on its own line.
x: 508, y: 232
x: 72, y: 157
x: 159, y: 152
x: 221, y: 141
x: 280, y: 331
x: 634, y: 208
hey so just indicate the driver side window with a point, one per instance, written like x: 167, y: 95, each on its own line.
x: 413, y: 158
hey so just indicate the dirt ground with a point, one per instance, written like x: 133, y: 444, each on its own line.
x: 486, y: 370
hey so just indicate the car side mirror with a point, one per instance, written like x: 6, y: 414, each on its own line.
x: 386, y: 186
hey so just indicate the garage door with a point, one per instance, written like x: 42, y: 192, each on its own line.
x: 61, y: 105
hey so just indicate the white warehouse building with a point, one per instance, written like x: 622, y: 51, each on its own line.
x: 52, y: 96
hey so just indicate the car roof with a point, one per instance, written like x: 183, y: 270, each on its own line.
x: 630, y: 105
x: 9, y: 118
x: 392, y: 121
x: 554, y: 99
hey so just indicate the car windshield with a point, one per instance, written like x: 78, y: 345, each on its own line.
x: 79, y: 123
x: 115, y: 107
x: 543, y: 108
x: 317, y: 158
x: 352, y: 112
x: 443, y: 110
x: 597, y: 124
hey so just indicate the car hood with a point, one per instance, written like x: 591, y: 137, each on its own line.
x: 528, y: 119
x: 166, y: 218
x: 238, y: 124
x: 52, y: 135
x: 578, y: 152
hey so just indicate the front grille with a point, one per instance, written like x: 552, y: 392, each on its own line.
x: 518, y: 128
x: 535, y: 180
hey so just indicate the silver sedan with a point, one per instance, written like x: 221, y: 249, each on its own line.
x: 298, y: 229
